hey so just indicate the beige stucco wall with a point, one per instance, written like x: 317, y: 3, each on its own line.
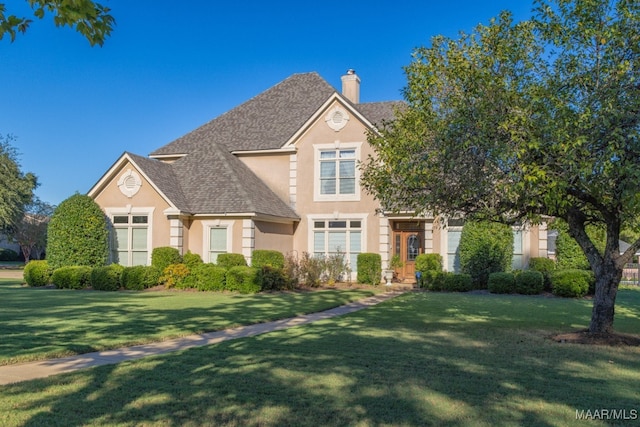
x: 112, y: 200
x: 274, y: 236
x: 197, y: 236
x: 273, y: 169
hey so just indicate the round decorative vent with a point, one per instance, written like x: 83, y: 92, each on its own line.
x: 129, y: 183
x: 337, y: 118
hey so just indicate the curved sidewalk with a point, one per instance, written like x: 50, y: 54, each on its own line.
x: 27, y: 371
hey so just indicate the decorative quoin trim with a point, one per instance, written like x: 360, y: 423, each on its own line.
x: 248, y: 239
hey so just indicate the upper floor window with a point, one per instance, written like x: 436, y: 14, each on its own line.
x: 336, y: 173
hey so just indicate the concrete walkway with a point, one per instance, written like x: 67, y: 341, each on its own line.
x: 27, y: 371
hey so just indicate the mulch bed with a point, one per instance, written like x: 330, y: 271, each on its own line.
x: 584, y: 337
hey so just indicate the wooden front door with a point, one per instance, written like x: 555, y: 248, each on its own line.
x: 408, y: 244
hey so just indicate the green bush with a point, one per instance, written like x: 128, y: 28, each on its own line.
x: 139, y: 277
x: 272, y: 279
x: 570, y: 283
x: 292, y: 270
x: 37, y: 273
x: 434, y: 280
x: 77, y: 234
x: 243, y: 279
x: 107, y: 278
x: 369, y: 268
x: 262, y: 257
x: 191, y: 260
x: 209, y: 277
x: 485, y: 248
x: 231, y: 260
x: 529, y: 282
x: 455, y: 282
x: 8, y: 255
x: 72, y: 277
x: 546, y: 266
x: 429, y: 262
x: 501, y: 283
x: 163, y: 256
x: 174, y: 276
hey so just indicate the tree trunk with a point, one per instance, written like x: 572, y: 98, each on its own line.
x: 605, y: 299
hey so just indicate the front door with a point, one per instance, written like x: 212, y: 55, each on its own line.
x: 408, y: 244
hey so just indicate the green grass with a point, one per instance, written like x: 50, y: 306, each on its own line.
x: 419, y: 359
x: 45, y: 323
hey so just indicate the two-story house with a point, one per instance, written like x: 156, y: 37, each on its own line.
x: 279, y: 171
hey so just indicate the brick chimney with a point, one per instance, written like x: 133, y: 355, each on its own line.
x: 351, y: 86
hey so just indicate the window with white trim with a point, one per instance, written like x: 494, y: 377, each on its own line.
x: 343, y: 235
x: 336, y: 174
x: 454, y: 232
x: 217, y: 239
x: 518, y: 249
x: 130, y: 239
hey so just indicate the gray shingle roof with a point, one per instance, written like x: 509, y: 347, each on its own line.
x: 210, y: 180
x: 264, y: 122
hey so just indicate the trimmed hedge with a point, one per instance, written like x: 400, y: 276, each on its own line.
x: 429, y: 265
x: 77, y: 234
x: 501, y: 283
x: 163, y: 256
x: 231, y: 260
x: 174, y: 276
x: 571, y: 283
x: 369, y: 268
x: 191, y: 260
x: 485, y: 248
x: 264, y: 257
x: 451, y: 282
x: 139, y: 277
x: 72, y: 277
x: 546, y: 266
x: 106, y: 278
x: 209, y: 277
x: 273, y: 279
x: 243, y: 279
x: 529, y: 282
x: 37, y: 273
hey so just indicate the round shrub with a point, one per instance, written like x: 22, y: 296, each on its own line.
x: 174, y: 275
x: 191, y: 260
x: 262, y: 257
x: 231, y: 260
x: 501, y: 283
x: 546, y: 266
x: 209, y: 277
x: 529, y: 282
x: 72, y: 277
x: 37, y: 273
x: 139, y: 277
x: 455, y: 282
x: 485, y: 248
x: 163, y: 256
x: 77, y: 234
x: 243, y: 279
x: 106, y: 278
x: 369, y: 268
x: 570, y: 283
x: 434, y: 280
x: 272, y: 279
x: 429, y: 262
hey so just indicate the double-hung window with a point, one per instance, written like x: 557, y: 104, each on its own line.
x: 336, y: 172
x: 217, y: 239
x: 130, y: 239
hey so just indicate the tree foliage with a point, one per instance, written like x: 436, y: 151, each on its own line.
x: 517, y: 121
x: 31, y: 231
x: 16, y: 187
x: 77, y: 234
x: 89, y: 18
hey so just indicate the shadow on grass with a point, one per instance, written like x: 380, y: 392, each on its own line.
x: 415, y: 360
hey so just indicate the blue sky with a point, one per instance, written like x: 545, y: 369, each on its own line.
x: 170, y: 67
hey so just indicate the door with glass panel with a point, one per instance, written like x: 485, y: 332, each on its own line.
x: 408, y: 240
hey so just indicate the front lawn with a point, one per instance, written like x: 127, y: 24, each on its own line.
x: 419, y: 359
x: 45, y: 323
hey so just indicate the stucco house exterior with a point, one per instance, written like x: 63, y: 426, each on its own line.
x: 279, y: 171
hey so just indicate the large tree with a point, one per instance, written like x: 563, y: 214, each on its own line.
x: 517, y: 121
x: 16, y: 187
x: 89, y: 18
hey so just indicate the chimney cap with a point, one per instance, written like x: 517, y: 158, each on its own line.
x: 351, y: 71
